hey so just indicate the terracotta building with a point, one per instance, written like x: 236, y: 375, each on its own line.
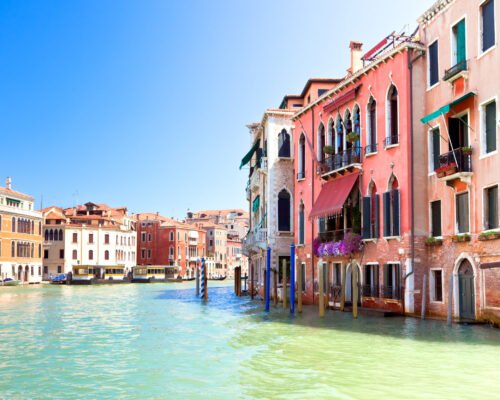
x: 20, y: 236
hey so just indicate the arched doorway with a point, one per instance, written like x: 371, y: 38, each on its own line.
x: 349, y: 284
x: 26, y: 273
x: 20, y: 273
x: 466, y: 296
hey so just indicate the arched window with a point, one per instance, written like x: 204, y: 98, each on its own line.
x: 371, y: 212
x: 301, y: 223
x: 283, y: 144
x: 51, y: 235
x: 371, y: 134
x: 13, y: 224
x: 330, y: 139
x: 56, y: 234
x: 13, y: 249
x: 339, y: 135
x: 106, y: 255
x: 60, y: 234
x: 91, y: 254
x: 302, y: 157
x: 321, y: 143
x: 391, y: 201
x: 32, y: 250
x: 348, y: 127
x: 40, y: 228
x: 392, y: 131
x: 284, y: 211
x: 46, y: 235
x: 171, y: 236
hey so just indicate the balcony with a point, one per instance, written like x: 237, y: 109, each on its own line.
x: 255, y: 181
x: 371, y: 291
x: 392, y: 140
x: 391, y: 292
x: 456, y: 164
x: 455, y: 72
x: 255, y: 240
x: 371, y: 149
x: 341, y: 162
x: 333, y: 236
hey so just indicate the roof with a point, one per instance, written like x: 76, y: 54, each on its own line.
x: 433, y: 11
x: 13, y: 193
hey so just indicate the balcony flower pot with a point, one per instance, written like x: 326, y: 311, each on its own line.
x: 352, y: 137
x: 466, y: 151
x: 329, y: 150
x: 432, y: 241
x: 483, y: 236
x: 446, y: 170
x: 460, y: 238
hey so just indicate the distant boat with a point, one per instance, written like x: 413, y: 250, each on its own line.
x: 219, y: 278
x: 11, y: 282
x: 188, y: 279
x: 59, y: 279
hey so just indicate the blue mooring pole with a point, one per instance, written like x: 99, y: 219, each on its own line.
x: 292, y: 279
x: 268, y: 277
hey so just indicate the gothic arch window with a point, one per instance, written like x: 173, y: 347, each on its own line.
x: 13, y: 224
x: 321, y: 142
x: 371, y: 212
x: 339, y: 135
x: 392, y: 125
x: 284, y: 202
x: 60, y: 234
x: 46, y: 235
x: 302, y: 157
x: 371, y: 132
x: 391, y: 204
x: 330, y: 140
x: 283, y: 144
x: 301, y: 218
x: 51, y: 235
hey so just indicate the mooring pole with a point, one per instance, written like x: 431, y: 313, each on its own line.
x: 450, y: 300
x: 422, y: 311
x: 251, y: 280
x: 197, y: 280
x: 205, y: 294
x: 284, y: 287
x: 268, y: 277
x: 292, y: 279
x: 299, y: 289
x: 321, y: 291
x: 275, y: 277
x: 354, y: 294
x: 342, y: 289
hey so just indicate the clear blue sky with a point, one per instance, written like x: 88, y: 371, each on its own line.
x: 144, y: 103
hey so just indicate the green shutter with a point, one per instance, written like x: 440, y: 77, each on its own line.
x: 256, y: 203
x: 461, y: 41
x: 491, y: 128
x: 436, y: 148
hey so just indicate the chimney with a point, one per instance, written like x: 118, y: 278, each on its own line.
x: 356, y: 54
x: 8, y: 183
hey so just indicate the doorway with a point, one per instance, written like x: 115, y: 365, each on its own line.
x: 466, y: 296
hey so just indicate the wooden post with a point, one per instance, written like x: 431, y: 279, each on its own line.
x: 354, y: 293
x: 284, y: 290
x: 321, y: 291
x: 205, y: 278
x: 422, y: 311
x: 327, y: 285
x: 450, y: 300
x: 268, y: 277
x: 251, y: 280
x: 275, y: 287
x: 292, y: 279
x: 299, y: 289
x: 197, y: 281
x: 342, y: 290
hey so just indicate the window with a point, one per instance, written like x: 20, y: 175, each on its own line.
x: 391, y: 288
x: 436, y: 285
x: 371, y: 138
x: 59, y: 269
x: 462, y: 209
x: 149, y: 253
x: 106, y: 255
x: 302, y: 157
x: 321, y: 143
x: 433, y: 63
x: 143, y: 236
x: 106, y: 238
x: 13, y: 224
x: 171, y: 251
x: 371, y: 212
x: 75, y: 255
x: 143, y: 253
x: 284, y: 144
x: 45, y: 254
x: 91, y: 238
x: 488, y: 24
x: 303, y: 276
x: 392, y: 117
x: 171, y: 236
x: 458, y: 43
x: 75, y: 237
x: 46, y: 235
x: 284, y: 211
x: 489, y: 127
x: 434, y: 149
x: 436, y: 218
x: 149, y: 237
x: 391, y: 200
x: 45, y: 269
x: 301, y: 224
x: 91, y: 254
x: 61, y: 253
x: 210, y: 242
x: 39, y: 250
x: 370, y: 287
x: 491, y: 208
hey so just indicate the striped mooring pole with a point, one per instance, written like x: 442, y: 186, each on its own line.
x: 292, y: 279
x: 268, y: 277
x: 204, y: 288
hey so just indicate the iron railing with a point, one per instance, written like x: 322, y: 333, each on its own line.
x: 455, y: 70
x: 343, y: 159
x: 461, y: 158
x: 301, y: 175
x: 391, y: 292
x: 333, y: 236
x: 370, y: 290
x: 391, y: 140
x: 371, y: 148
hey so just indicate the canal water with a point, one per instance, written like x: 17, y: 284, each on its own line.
x: 158, y: 341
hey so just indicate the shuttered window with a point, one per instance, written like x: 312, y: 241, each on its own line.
x: 433, y: 63
x: 462, y: 206
x: 459, y: 39
x: 366, y: 218
x: 303, y: 276
x: 491, y: 207
x: 435, y: 148
x: 436, y: 218
x: 490, y: 126
x: 301, y: 224
x: 488, y: 24
x: 391, y: 204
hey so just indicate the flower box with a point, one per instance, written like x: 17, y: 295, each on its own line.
x: 449, y: 169
x: 489, y: 236
x: 431, y: 242
x: 460, y: 238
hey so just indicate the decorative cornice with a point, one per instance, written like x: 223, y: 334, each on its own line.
x: 433, y: 11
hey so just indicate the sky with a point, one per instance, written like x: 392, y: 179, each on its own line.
x: 145, y: 103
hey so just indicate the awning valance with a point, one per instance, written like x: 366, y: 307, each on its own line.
x: 445, y: 109
x: 249, y: 155
x: 333, y: 195
x: 341, y: 100
x: 15, y: 201
x: 255, y: 204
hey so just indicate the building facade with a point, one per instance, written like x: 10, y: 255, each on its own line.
x: 91, y: 234
x: 20, y: 237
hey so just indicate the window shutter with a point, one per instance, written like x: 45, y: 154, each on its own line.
x: 386, y: 200
x: 386, y: 275
x: 436, y: 144
x: 491, y: 129
x: 396, y: 213
x: 436, y: 218
x: 433, y: 63
x: 366, y: 218
x: 377, y: 216
x: 488, y: 25
x: 461, y: 41
x: 301, y: 225
x: 493, y: 208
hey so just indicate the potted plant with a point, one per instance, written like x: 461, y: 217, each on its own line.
x: 466, y: 150
x: 446, y: 170
x: 329, y: 150
x: 352, y: 137
x: 432, y: 241
x: 489, y: 235
x: 465, y: 237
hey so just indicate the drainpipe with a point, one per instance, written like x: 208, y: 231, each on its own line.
x: 312, y: 198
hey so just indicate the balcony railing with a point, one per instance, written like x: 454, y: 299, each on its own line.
x: 333, y: 236
x: 371, y: 148
x: 391, y: 292
x: 301, y: 175
x: 341, y: 160
x: 458, y: 158
x: 391, y: 140
x: 370, y: 290
x: 455, y: 70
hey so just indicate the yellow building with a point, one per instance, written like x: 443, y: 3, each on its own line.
x: 20, y: 237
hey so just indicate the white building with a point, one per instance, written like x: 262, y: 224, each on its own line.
x: 92, y: 234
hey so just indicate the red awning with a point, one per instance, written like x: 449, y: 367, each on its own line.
x: 333, y: 195
x: 341, y: 100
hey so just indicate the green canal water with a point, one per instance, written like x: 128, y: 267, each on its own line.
x: 159, y: 342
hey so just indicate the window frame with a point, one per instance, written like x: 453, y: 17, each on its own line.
x: 389, y: 117
x: 456, y: 213
x: 431, y: 85
x: 481, y: 30
x: 430, y: 147
x: 484, y: 208
x: 432, y: 286
x: 431, y: 220
x: 482, y: 127
x: 453, y: 40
